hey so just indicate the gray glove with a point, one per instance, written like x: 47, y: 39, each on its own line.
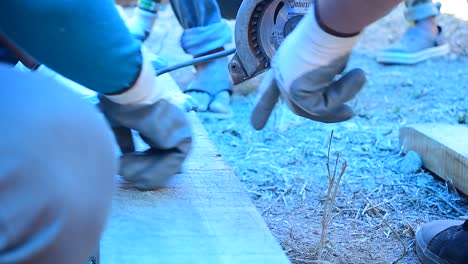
x: 315, y: 95
x: 304, y: 71
x: 163, y: 126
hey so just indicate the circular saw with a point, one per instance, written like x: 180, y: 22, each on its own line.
x: 261, y: 26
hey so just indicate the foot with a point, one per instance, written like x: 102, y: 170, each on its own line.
x: 174, y: 95
x: 203, y: 100
x: 211, y: 87
x: 443, y: 241
x: 220, y: 103
x: 416, y: 45
x: 172, y: 92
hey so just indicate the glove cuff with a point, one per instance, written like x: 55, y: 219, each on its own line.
x: 307, y: 48
x: 143, y: 90
x: 322, y: 37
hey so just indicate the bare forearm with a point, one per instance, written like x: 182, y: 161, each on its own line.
x: 351, y: 16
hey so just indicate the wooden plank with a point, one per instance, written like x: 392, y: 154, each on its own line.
x: 203, y: 216
x: 443, y: 149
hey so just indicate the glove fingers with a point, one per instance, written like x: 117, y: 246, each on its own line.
x: 162, y: 125
x: 151, y: 169
x: 339, y: 114
x: 266, y: 101
x: 344, y: 89
x: 326, y: 104
x: 124, y: 138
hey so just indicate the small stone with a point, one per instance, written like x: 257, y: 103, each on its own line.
x: 411, y: 163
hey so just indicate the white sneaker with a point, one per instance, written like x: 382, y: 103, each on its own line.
x: 414, y: 46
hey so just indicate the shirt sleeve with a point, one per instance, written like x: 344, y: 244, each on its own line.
x: 84, y: 40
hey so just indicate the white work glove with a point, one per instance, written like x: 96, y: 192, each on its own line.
x: 304, y: 70
x: 150, y: 88
x: 149, y: 108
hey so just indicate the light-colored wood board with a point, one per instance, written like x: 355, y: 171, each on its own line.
x: 443, y: 149
x: 203, y: 216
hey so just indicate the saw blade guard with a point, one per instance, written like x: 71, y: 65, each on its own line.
x: 261, y: 26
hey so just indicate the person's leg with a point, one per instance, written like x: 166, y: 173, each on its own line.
x: 204, y: 29
x: 105, y: 58
x: 229, y: 8
x: 57, y: 170
x: 442, y: 241
x: 421, y: 41
x: 204, y: 33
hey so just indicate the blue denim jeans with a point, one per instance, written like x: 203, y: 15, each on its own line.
x: 204, y: 29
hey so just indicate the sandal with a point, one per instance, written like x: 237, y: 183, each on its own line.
x: 212, y: 87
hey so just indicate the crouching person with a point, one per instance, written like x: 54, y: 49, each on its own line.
x: 89, y: 43
x: 57, y: 165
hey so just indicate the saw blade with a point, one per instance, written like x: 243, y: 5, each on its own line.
x: 272, y: 21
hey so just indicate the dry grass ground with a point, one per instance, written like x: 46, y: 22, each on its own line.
x: 378, y: 207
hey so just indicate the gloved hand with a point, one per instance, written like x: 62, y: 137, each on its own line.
x: 162, y: 125
x: 303, y: 72
x: 315, y: 95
